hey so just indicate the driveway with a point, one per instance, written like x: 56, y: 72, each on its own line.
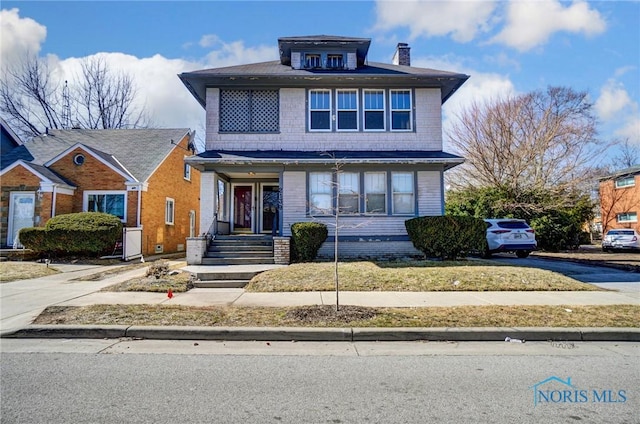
x: 601, y: 276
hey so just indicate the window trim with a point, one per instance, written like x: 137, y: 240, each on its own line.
x: 87, y: 193
x: 356, y: 110
x: 630, y: 179
x: 365, y: 110
x: 385, y: 192
x: 329, y: 110
x: 412, y: 192
x: 633, y: 217
x: 186, y: 172
x: 392, y: 110
x: 169, y: 211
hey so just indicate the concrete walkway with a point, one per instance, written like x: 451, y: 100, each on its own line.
x: 22, y: 301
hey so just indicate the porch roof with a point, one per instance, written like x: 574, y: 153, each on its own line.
x: 288, y: 157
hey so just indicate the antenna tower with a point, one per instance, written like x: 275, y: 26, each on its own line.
x: 66, y: 107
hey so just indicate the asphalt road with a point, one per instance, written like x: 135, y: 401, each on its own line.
x: 111, y: 381
x: 609, y: 278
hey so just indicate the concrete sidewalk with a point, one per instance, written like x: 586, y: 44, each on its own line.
x: 22, y: 301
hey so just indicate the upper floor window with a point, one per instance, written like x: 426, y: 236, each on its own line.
x: 347, y: 106
x: 334, y: 61
x: 626, y: 182
x: 112, y: 202
x: 320, y: 110
x: 187, y: 172
x: 401, y: 110
x: 628, y: 217
x: 247, y: 111
x: 374, y: 110
x: 312, y: 61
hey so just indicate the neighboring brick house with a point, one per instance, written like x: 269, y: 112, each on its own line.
x: 276, y: 130
x: 138, y: 175
x: 620, y: 199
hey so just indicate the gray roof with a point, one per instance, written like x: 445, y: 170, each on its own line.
x: 627, y: 172
x: 138, y: 151
x: 274, y: 74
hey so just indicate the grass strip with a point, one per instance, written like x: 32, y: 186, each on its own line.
x: 307, y: 316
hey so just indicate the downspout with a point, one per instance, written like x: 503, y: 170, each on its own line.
x: 139, y: 206
x: 53, y: 201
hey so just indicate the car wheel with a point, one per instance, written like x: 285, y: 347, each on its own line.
x: 522, y: 253
x: 604, y: 249
x: 486, y: 253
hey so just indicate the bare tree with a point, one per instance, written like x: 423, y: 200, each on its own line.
x: 105, y: 99
x: 31, y: 97
x: 543, y: 140
x: 629, y: 156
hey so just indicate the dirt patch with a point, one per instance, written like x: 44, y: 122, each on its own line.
x: 328, y: 314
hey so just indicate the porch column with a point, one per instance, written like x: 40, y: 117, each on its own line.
x: 282, y: 250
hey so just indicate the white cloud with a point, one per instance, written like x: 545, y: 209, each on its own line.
x: 531, y: 23
x: 209, y: 40
x: 618, y: 110
x: 462, y: 20
x: 19, y: 35
x: 236, y: 53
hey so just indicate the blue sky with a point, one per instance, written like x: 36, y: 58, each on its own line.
x: 506, y: 47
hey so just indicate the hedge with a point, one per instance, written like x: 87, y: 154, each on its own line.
x: 84, y: 233
x: 306, y: 239
x: 447, y: 237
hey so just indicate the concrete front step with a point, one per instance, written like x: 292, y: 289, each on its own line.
x: 235, y: 254
x: 220, y: 284
x: 237, y: 261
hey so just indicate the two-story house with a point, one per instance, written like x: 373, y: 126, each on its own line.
x: 276, y: 131
x: 620, y: 199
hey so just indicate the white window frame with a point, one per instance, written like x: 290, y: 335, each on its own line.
x: 401, y: 110
x: 335, y: 61
x: 383, y: 192
x: 87, y: 193
x: 187, y: 172
x: 411, y: 192
x: 625, y: 182
x: 169, y: 211
x: 365, y: 110
x: 312, y: 60
x: 321, y: 189
x: 353, y: 109
x: 346, y: 190
x: 313, y: 109
x: 626, y: 217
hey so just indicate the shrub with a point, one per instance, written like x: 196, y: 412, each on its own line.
x: 158, y: 269
x: 306, y: 239
x: 447, y: 237
x: 34, y: 238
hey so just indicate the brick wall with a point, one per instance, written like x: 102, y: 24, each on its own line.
x: 614, y: 201
x: 168, y: 181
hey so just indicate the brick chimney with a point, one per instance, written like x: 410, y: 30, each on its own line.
x: 402, y: 55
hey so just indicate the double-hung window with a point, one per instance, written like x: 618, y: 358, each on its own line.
x: 312, y: 61
x: 374, y: 110
x: 347, y: 104
x: 320, y: 110
x: 375, y: 192
x: 187, y: 172
x: 320, y: 193
x: 403, y: 193
x: 334, y: 61
x: 169, y: 211
x: 401, y: 108
x: 626, y: 182
x: 349, y: 192
x: 628, y: 217
x: 112, y: 202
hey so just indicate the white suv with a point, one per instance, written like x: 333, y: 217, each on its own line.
x: 510, y: 235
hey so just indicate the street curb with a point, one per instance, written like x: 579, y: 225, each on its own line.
x: 608, y: 334
x: 602, y: 263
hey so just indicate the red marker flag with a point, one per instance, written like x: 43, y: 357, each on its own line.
x: 170, y: 294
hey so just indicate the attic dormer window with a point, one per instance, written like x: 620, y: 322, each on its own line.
x: 312, y: 61
x: 334, y: 61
